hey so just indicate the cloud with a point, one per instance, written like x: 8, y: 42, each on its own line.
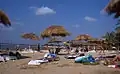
x: 90, y: 19
x: 43, y: 10
x: 32, y: 7
x: 3, y: 28
x: 76, y: 25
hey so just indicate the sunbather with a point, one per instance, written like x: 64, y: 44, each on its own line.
x: 117, y: 58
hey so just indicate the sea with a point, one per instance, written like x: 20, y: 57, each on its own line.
x: 14, y: 46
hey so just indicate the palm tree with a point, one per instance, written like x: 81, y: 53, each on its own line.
x: 113, y: 7
x: 110, y: 39
x: 117, y: 29
x: 4, y: 19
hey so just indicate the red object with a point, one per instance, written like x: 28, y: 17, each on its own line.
x: 116, y: 66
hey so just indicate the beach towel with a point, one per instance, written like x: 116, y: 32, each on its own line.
x: 2, y: 59
x: 37, y: 62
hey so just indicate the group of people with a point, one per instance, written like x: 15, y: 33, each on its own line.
x: 77, y: 49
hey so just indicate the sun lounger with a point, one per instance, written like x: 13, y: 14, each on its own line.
x: 73, y: 56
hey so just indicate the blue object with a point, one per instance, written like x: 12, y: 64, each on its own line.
x: 52, y: 55
x: 80, y: 59
x: 88, y: 58
x: 91, y: 59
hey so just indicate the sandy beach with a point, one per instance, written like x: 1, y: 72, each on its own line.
x: 64, y: 66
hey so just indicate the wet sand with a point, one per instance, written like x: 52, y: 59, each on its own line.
x: 63, y: 66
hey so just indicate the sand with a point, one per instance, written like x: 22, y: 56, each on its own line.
x: 63, y: 66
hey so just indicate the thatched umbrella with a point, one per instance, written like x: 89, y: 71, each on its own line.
x: 95, y: 40
x: 31, y: 36
x: 54, y: 31
x: 98, y: 42
x: 4, y: 19
x: 113, y: 7
x: 83, y: 37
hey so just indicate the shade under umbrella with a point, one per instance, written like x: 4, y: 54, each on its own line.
x: 55, y: 40
x: 4, y: 19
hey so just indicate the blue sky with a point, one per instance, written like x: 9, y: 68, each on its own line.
x: 77, y: 16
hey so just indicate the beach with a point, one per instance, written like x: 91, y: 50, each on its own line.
x: 64, y: 66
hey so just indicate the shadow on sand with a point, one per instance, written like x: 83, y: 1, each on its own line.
x: 62, y: 54
x: 24, y: 57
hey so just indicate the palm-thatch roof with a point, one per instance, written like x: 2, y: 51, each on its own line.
x: 55, y: 31
x: 113, y: 7
x: 4, y: 19
x: 31, y: 36
x: 83, y: 37
x: 83, y: 44
x: 96, y: 40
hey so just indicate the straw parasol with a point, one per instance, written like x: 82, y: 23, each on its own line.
x: 4, y: 19
x: 113, y: 7
x: 96, y: 40
x: 83, y: 37
x: 54, y: 31
x: 31, y: 36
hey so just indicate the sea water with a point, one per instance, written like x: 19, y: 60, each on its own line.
x: 14, y: 46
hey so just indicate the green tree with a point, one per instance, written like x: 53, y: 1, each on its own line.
x: 117, y: 29
x: 110, y: 39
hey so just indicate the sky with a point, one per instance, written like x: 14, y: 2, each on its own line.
x: 77, y: 16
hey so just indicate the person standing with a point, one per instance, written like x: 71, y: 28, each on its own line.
x: 17, y: 47
x: 38, y: 47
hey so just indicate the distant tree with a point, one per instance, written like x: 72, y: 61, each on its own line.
x: 117, y: 29
x: 110, y: 39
